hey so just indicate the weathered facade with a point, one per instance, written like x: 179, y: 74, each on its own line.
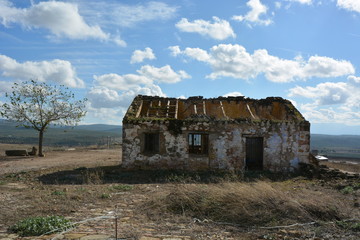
x: 233, y: 133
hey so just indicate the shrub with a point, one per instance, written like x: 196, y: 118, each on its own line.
x: 35, y: 226
x: 347, y: 190
x: 354, y: 226
x: 122, y: 187
x: 58, y: 193
x: 105, y: 196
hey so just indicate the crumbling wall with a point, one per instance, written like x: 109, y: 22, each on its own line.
x: 285, y: 144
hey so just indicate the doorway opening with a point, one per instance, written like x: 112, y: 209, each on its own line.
x: 254, y: 153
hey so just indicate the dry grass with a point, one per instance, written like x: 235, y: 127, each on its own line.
x: 248, y: 204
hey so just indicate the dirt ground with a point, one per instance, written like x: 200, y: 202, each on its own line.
x: 87, y: 184
x: 57, y: 157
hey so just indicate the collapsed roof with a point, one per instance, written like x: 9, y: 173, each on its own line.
x: 145, y: 108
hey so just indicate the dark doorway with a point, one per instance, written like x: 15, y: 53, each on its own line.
x: 254, y: 153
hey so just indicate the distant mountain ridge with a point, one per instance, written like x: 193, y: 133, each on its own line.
x: 95, y: 133
x: 83, y: 135
x: 335, y: 141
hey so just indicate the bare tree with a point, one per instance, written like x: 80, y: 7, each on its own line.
x: 36, y: 105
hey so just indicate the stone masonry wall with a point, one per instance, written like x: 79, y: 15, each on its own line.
x: 285, y: 144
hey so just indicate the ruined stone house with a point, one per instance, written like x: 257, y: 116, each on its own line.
x: 226, y: 133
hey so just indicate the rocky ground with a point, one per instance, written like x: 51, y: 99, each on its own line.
x: 87, y: 187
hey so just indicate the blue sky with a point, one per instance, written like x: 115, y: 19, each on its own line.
x: 109, y: 51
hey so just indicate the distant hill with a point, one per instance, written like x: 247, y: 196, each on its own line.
x: 101, y: 133
x: 319, y: 141
x: 82, y: 135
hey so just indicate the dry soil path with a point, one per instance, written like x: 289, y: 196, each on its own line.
x: 73, y: 158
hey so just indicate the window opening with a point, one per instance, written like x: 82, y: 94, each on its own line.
x: 151, y: 144
x: 198, y: 143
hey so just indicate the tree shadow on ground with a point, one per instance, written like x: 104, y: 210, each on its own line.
x: 116, y: 174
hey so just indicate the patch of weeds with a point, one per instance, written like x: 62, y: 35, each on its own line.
x: 105, y: 196
x: 15, y: 176
x: 122, y: 187
x: 347, y: 190
x: 2, y: 182
x: 353, y: 226
x: 58, y: 193
x: 36, y: 226
x: 356, y: 186
x: 81, y: 189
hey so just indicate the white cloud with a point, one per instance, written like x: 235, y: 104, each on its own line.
x: 147, y: 76
x: 350, y: 5
x: 354, y: 81
x: 257, y: 9
x: 113, y: 90
x: 60, y: 18
x: 103, y: 97
x: 233, y: 94
x: 198, y: 54
x: 195, y: 53
x: 234, y: 61
x: 331, y: 115
x: 174, y: 50
x: 218, y: 30
x: 332, y: 102
x: 121, y: 82
x: 162, y: 75
x: 58, y: 71
x: 104, y: 115
x: 308, y: 2
x: 327, y: 93
x: 139, y: 56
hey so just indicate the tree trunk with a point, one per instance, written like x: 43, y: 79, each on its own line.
x: 41, y: 136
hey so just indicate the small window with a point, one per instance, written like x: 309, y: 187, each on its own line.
x: 151, y: 142
x: 198, y: 143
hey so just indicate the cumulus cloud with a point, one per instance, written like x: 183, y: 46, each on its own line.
x: 350, y: 5
x: 60, y: 18
x: 257, y: 10
x: 139, y: 56
x: 121, y: 82
x: 147, y: 75
x: 195, y: 53
x: 58, y: 71
x: 335, y: 102
x: 103, y: 97
x: 227, y: 60
x: 233, y: 94
x: 162, y: 75
x: 219, y: 29
x: 327, y: 93
x: 104, y: 115
x: 113, y: 90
